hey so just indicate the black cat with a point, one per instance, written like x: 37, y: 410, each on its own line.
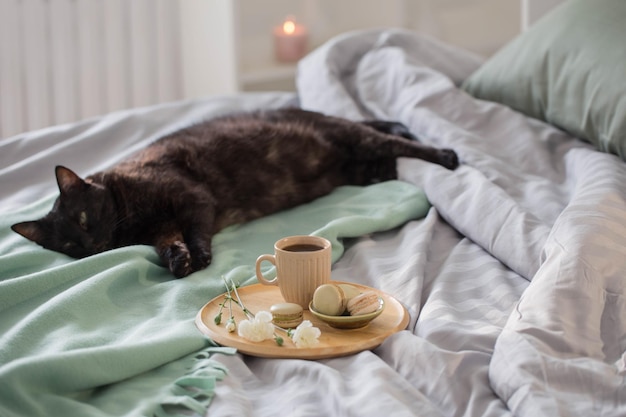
x: 185, y: 187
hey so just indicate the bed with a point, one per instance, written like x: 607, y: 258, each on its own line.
x: 511, y: 268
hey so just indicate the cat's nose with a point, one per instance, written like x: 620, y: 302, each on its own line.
x: 100, y: 247
x: 90, y: 245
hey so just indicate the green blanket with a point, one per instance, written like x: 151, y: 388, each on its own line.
x: 114, y: 334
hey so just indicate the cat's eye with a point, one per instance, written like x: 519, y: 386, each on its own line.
x: 82, y: 220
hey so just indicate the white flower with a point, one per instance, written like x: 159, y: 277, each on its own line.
x: 257, y: 329
x: 306, y: 335
x: 230, y: 325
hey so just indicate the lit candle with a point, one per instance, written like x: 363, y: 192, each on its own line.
x: 290, y: 41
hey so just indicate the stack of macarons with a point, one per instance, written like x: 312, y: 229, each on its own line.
x: 341, y: 299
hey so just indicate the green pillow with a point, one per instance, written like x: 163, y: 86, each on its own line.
x: 569, y: 69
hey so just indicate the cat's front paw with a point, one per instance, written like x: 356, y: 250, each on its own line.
x: 179, y: 259
x: 448, y: 158
x: 200, y: 257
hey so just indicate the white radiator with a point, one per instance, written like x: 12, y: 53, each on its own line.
x: 66, y: 60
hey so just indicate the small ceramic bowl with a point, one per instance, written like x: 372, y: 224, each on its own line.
x: 347, y: 321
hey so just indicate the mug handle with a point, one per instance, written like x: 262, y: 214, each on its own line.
x: 259, y: 274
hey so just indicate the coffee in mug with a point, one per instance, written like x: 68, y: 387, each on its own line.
x: 303, y: 263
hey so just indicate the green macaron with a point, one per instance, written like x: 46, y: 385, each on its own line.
x: 286, y: 315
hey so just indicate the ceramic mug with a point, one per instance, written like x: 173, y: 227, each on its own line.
x: 302, y: 263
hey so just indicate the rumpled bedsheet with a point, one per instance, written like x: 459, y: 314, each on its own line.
x: 531, y: 208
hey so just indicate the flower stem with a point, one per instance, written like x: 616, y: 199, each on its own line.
x: 227, y: 298
x: 247, y: 312
x: 279, y: 340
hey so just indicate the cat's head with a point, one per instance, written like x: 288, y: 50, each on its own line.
x: 81, y: 222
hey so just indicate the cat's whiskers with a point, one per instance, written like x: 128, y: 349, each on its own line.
x: 118, y: 222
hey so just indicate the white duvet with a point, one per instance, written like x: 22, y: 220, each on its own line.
x: 514, y: 280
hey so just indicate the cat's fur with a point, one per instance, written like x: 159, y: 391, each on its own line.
x: 181, y: 190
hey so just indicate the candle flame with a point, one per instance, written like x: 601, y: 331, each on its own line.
x: 289, y: 27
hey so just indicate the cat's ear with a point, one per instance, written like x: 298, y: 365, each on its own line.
x: 30, y: 230
x: 68, y: 181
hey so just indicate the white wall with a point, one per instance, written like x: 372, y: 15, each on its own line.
x: 481, y: 26
x: 535, y: 9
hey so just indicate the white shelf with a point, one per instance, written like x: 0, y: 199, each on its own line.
x: 267, y: 73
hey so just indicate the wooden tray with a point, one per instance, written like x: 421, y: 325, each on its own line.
x: 333, y: 342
